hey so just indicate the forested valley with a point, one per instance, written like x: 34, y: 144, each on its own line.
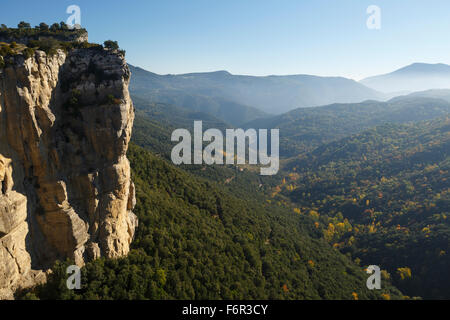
x: 351, y: 193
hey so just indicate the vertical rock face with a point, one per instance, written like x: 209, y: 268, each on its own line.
x: 14, y: 259
x: 65, y: 125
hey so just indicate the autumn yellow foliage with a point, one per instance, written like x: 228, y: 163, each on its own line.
x: 404, y: 273
x: 386, y: 296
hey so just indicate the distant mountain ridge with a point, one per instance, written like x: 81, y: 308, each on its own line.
x: 424, y: 68
x: 180, y: 92
x: 238, y: 99
x: 415, y: 77
x: 443, y: 94
x: 303, y: 129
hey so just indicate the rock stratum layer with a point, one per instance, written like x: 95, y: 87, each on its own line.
x: 65, y: 186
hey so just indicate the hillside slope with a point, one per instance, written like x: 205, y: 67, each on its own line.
x: 190, y: 96
x: 197, y: 241
x: 303, y: 129
x: 384, y: 196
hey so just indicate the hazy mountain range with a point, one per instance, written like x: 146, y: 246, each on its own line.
x: 246, y: 97
x: 443, y: 94
x: 415, y: 77
x: 238, y: 99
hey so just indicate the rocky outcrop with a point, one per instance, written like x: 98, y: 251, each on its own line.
x: 66, y: 191
x: 15, y: 260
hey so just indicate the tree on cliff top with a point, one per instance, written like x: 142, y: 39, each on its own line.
x: 23, y: 25
x: 112, y: 45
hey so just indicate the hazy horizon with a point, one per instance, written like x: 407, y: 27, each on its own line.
x: 259, y: 38
x: 287, y: 74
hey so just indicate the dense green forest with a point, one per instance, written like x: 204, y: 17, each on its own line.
x: 208, y: 232
x: 398, y: 176
x: 152, y: 130
x: 198, y: 241
x: 384, y: 197
x: 155, y: 123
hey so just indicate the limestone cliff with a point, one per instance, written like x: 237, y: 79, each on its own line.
x: 65, y: 186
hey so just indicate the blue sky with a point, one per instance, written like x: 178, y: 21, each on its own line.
x: 263, y: 37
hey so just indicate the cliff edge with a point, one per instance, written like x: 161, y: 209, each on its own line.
x: 65, y: 185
